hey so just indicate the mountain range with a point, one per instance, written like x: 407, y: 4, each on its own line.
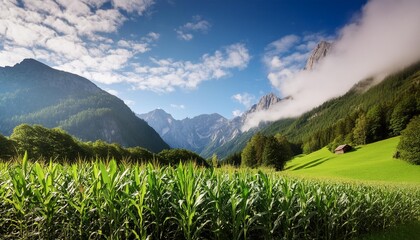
x: 204, y: 133
x: 34, y: 93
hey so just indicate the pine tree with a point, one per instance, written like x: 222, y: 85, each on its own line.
x: 360, y: 130
x: 409, y: 146
x: 402, y: 113
x: 249, y: 156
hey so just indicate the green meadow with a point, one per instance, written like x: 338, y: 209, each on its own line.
x: 371, y: 162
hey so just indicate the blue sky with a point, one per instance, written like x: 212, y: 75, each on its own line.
x: 186, y: 57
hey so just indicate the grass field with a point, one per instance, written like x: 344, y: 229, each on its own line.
x: 372, y: 162
x: 369, y: 163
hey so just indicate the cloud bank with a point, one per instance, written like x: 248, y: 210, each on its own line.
x: 383, y: 39
x: 166, y: 75
x: 81, y: 36
x: 74, y: 36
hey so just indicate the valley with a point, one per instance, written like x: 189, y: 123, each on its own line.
x: 146, y: 119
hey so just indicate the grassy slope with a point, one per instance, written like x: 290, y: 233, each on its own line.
x: 372, y: 162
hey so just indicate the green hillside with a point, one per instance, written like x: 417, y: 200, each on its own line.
x: 34, y: 93
x: 386, y: 108
x: 372, y: 162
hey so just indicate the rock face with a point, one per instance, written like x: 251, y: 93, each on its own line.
x: 34, y: 93
x: 320, y: 51
x: 202, y: 133
x: 264, y: 103
x: 189, y: 133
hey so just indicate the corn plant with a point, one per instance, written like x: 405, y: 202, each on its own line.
x: 108, y: 200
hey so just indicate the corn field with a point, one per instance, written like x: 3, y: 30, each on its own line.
x: 120, y: 201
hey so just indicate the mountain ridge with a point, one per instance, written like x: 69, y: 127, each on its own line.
x: 205, y: 132
x: 34, y: 93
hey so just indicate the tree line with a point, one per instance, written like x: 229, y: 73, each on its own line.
x: 264, y: 150
x: 360, y: 124
x: 55, y: 144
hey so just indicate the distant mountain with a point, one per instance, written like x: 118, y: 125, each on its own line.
x: 190, y: 133
x: 32, y: 92
x: 319, y: 52
x: 202, y: 133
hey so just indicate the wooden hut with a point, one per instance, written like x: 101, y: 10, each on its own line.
x: 342, y: 149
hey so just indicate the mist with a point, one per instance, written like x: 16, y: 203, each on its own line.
x: 382, y: 39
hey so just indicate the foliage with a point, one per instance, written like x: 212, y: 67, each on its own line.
x: 266, y: 151
x: 116, y: 201
x: 46, y: 143
x: 376, y: 123
x: 140, y: 153
x: 7, y: 148
x: 409, y: 146
x: 175, y: 156
x: 360, y: 130
x: 233, y: 159
x: 249, y: 156
x: 402, y: 113
x: 55, y: 144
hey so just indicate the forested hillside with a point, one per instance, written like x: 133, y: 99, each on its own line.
x: 34, y: 93
x: 368, y: 112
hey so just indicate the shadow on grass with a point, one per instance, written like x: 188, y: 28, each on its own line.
x: 317, y: 163
x: 291, y: 166
x: 312, y: 163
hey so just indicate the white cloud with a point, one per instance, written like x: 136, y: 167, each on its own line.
x: 283, y: 44
x: 139, y: 6
x: 67, y: 46
x: 80, y: 37
x: 197, y: 24
x: 237, y: 113
x: 137, y: 47
x: 245, y: 99
x: 72, y: 35
x: 382, y: 40
x: 129, y: 102
x: 166, y: 75
x: 113, y: 92
x: 184, y: 36
x: 180, y: 106
x: 185, y: 32
x: 151, y: 37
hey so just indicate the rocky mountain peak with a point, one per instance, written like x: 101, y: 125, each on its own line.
x: 320, y: 51
x: 159, y: 112
x: 265, y: 103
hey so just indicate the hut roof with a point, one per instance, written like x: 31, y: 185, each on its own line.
x: 341, y: 147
